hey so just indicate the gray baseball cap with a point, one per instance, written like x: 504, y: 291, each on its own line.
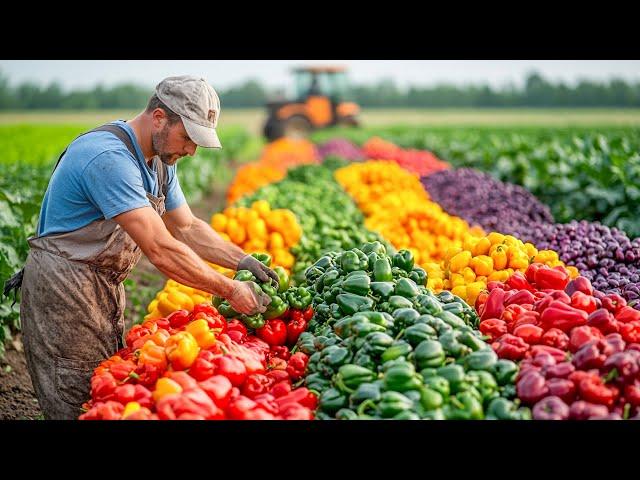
x: 198, y: 105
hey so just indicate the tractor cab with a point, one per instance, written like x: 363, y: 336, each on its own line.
x: 319, y: 102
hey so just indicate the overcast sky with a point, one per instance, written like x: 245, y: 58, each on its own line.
x: 275, y: 73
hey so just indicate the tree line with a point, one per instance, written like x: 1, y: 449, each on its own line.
x: 536, y: 92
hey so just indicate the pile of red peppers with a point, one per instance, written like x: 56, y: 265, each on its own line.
x: 579, y: 349
x: 197, y: 366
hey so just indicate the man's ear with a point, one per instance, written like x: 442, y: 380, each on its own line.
x: 159, y: 118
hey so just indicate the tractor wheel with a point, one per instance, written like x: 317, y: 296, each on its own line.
x: 297, y: 127
x: 273, y: 129
x: 349, y: 121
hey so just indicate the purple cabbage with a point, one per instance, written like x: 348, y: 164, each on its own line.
x: 341, y: 148
x: 482, y: 200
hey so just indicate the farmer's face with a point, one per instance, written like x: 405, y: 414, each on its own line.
x: 171, y: 142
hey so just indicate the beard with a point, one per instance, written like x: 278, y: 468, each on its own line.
x: 158, y: 143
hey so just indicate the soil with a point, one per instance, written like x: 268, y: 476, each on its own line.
x: 17, y: 398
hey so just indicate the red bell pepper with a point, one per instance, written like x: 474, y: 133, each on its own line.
x: 603, y: 320
x: 627, y: 314
x: 297, y: 324
x: 532, y: 387
x: 123, y: 371
x: 613, y: 302
x: 589, y: 356
x: 103, y: 387
x: 231, y: 367
x: 109, y: 410
x: 523, y: 297
x: 582, y: 335
x: 530, y: 272
x: 308, y: 313
x: 133, y: 393
x: 630, y: 331
x: 555, y: 337
x: 584, y: 302
x: 557, y: 354
x: 493, y: 328
x: 593, y: 389
x: 562, y: 316
x: 203, y: 366
x: 518, y: 281
x: 274, y: 332
x: 554, y: 278
x: 276, y: 363
x: 281, y: 351
x: 281, y: 389
x: 179, y: 318
x: 529, y: 333
x: 510, y: 347
x: 243, y: 408
x: 218, y: 388
x: 563, y: 388
x: 278, y: 375
x: 301, y: 396
x: 191, y: 404
x: 236, y: 325
x: 256, y: 384
x: 494, y: 306
x: 579, y: 284
x: 297, y: 365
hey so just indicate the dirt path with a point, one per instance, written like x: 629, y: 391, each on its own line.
x: 17, y: 398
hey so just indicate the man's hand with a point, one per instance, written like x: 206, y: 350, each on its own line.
x: 259, y: 270
x: 245, y: 299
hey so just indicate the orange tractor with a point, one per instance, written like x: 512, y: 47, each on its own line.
x: 319, y: 103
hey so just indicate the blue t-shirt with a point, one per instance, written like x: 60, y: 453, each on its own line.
x: 99, y: 178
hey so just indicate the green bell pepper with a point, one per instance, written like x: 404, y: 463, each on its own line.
x: 334, y: 356
x: 332, y: 400
x: 451, y: 345
x: 350, y: 262
x: 364, y: 359
x: 451, y: 319
x: 503, y: 409
x: 407, y: 288
x: 392, y: 403
x: 375, y: 247
x: 244, y: 276
x: 350, y: 376
x: 481, y: 360
x: 437, y: 383
x: 227, y: 311
x: 399, y: 348
x: 320, y: 342
x: 379, y: 318
x: 382, y: 270
x: 403, y: 259
x: 463, y: 406
x: 350, y: 303
x: 346, y: 414
x: 396, y: 302
x: 305, y: 343
x: 454, y: 374
x: 357, y: 284
x: 316, y: 382
x: 253, y: 321
x: 398, y: 272
x: 419, y: 276
x: 472, y: 341
x: 365, y: 391
x: 329, y: 278
x: 324, y: 262
x: 427, y: 304
x: 428, y: 354
x: 363, y: 327
x: 404, y: 317
x: 401, y: 377
x: 505, y: 372
x: 430, y: 399
x: 299, y: 298
x: 283, y: 278
x: 382, y: 290
x: 436, y: 414
x: 418, y: 332
x: 406, y: 415
x: 264, y: 258
x: 377, y: 342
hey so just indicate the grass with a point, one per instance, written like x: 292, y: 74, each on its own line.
x: 252, y: 119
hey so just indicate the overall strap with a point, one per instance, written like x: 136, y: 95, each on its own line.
x: 109, y: 127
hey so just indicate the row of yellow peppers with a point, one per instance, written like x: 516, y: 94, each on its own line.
x: 457, y: 257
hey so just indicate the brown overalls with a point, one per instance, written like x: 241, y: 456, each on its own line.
x: 72, y: 308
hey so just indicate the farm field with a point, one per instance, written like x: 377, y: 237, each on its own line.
x: 434, y: 265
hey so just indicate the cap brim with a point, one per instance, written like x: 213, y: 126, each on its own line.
x: 202, y: 136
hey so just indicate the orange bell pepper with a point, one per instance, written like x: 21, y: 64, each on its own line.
x: 152, y: 354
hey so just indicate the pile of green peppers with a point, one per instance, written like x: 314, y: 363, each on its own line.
x: 282, y: 298
x: 394, y: 350
x: 329, y: 218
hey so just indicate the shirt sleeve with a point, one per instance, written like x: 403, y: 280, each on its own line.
x: 175, y: 197
x: 113, y: 183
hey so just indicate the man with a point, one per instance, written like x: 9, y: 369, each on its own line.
x: 113, y: 196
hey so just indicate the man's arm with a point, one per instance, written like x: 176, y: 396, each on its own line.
x: 179, y: 262
x: 203, y: 239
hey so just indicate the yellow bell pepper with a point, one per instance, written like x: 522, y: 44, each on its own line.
x: 129, y: 408
x: 460, y: 261
x: 165, y: 386
x: 499, y: 257
x: 482, y: 265
x: 201, y: 332
x: 181, y: 349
